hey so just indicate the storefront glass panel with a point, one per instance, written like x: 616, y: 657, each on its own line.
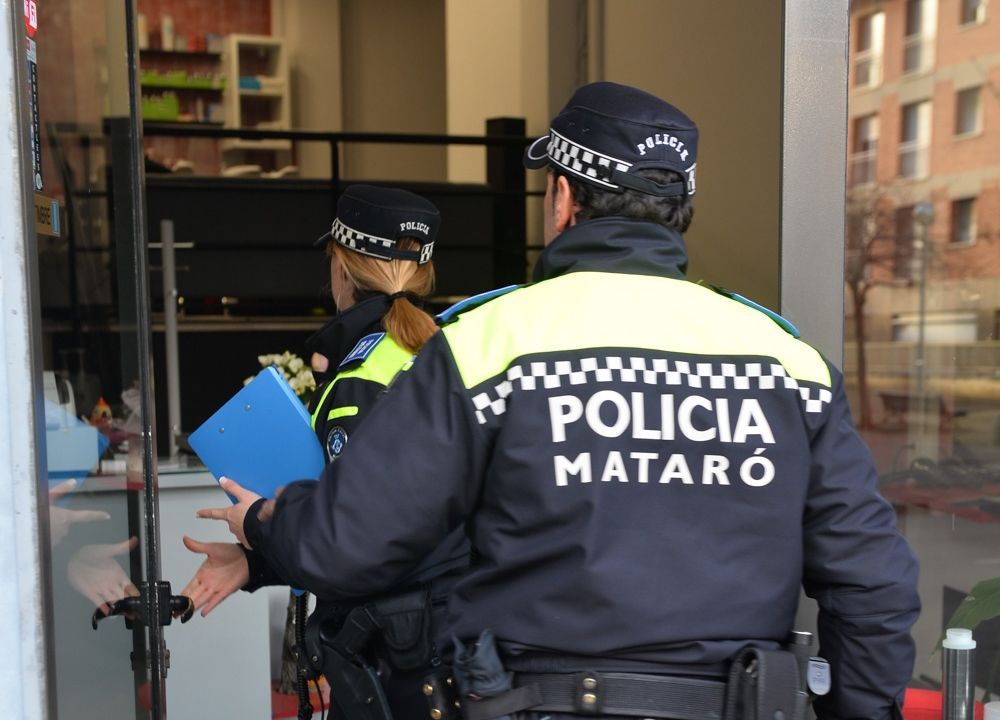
x: 922, y: 350
x: 94, y: 328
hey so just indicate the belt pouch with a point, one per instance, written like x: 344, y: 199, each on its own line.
x: 406, y: 629
x: 764, y: 685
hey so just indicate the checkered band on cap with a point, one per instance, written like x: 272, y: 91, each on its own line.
x: 360, y: 242
x: 583, y: 161
x: 717, y: 375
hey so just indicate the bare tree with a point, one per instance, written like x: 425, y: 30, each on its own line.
x: 880, y: 251
x: 876, y: 255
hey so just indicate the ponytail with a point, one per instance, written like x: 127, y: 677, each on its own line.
x: 408, y: 325
x: 405, y: 323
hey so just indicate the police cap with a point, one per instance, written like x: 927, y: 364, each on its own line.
x: 608, y: 131
x: 371, y: 220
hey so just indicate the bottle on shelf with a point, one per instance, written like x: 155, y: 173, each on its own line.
x: 167, y: 33
x: 142, y: 28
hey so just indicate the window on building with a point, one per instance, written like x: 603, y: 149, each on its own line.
x: 868, y: 52
x: 973, y: 12
x: 921, y: 29
x: 967, y: 115
x: 915, y: 139
x: 864, y: 150
x: 963, y: 221
x: 902, y: 256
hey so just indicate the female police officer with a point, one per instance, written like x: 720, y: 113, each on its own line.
x: 380, y: 249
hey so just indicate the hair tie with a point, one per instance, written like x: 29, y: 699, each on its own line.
x: 414, y: 299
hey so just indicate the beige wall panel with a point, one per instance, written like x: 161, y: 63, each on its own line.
x: 721, y: 64
x: 393, y: 69
x: 485, y: 42
x: 311, y: 29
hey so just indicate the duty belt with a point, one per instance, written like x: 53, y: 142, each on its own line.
x: 593, y: 693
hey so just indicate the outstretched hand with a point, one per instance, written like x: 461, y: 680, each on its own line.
x: 224, y: 571
x: 235, y: 514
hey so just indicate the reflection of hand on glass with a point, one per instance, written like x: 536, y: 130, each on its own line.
x: 224, y: 571
x: 96, y: 575
x: 60, y: 518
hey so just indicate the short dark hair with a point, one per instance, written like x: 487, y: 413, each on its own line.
x: 673, y: 212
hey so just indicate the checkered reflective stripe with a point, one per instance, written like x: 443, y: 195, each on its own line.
x: 538, y: 374
x: 359, y: 241
x: 583, y: 161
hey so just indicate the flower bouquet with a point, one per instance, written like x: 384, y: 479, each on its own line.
x: 297, y: 374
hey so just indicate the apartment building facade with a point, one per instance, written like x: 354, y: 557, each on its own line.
x: 924, y: 134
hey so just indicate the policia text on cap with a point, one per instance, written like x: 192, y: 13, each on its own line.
x: 648, y: 470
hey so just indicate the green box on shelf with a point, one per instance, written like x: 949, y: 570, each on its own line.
x: 206, y: 82
x: 160, y: 107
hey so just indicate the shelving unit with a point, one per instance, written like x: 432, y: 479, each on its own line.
x: 256, y: 95
x: 182, y: 85
x: 156, y: 52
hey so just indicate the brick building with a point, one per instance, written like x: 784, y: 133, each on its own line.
x: 924, y: 126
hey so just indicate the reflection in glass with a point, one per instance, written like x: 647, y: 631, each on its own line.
x: 870, y: 33
x: 967, y: 111
x: 922, y: 353
x: 91, y: 360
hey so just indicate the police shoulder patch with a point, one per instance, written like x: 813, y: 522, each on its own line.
x: 363, y: 349
x: 336, y: 441
x: 784, y: 324
x: 472, y: 302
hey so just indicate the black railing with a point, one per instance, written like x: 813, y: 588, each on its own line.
x: 504, y: 143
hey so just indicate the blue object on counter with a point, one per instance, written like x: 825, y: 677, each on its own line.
x: 249, y: 82
x: 72, y: 447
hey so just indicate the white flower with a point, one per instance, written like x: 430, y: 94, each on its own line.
x: 293, y: 369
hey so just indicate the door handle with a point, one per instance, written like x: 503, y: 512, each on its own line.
x: 135, y: 608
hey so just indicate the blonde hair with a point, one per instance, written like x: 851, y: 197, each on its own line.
x: 407, y: 324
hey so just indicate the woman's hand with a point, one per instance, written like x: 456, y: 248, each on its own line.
x: 235, y: 514
x: 319, y: 363
x: 224, y: 571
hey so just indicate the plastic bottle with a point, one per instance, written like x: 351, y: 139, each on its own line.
x: 143, y: 31
x: 167, y: 32
x: 958, y: 675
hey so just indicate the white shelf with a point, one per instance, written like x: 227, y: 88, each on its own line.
x: 240, y: 144
x: 262, y: 93
x: 266, y: 58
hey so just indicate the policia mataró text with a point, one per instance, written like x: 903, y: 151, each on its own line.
x: 648, y: 470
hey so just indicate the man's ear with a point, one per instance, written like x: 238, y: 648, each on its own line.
x: 565, y: 206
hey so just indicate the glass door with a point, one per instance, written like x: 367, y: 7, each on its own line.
x: 87, y: 176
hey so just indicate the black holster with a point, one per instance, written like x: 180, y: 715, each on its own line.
x: 763, y: 683
x: 354, y: 684
x: 357, y: 648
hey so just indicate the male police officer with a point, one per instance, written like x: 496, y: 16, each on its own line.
x: 648, y: 469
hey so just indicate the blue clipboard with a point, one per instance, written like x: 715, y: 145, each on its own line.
x: 262, y: 437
